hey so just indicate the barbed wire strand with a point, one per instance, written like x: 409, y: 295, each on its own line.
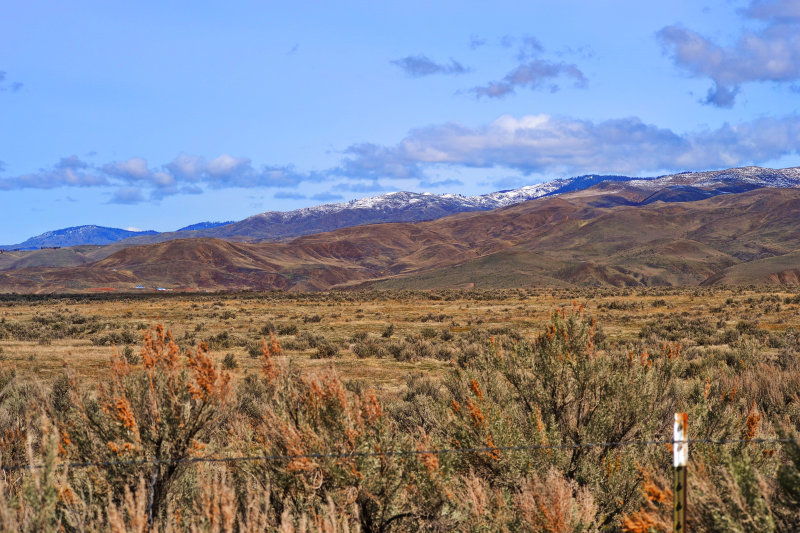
x: 356, y: 454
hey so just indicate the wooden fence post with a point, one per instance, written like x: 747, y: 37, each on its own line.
x: 680, y: 456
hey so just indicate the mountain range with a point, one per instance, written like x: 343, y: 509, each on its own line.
x: 732, y: 226
x: 412, y: 207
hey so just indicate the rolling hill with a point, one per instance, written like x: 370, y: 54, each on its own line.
x: 609, y: 234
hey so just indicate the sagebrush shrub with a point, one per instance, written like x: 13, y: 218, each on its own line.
x: 560, y: 389
x: 166, y: 411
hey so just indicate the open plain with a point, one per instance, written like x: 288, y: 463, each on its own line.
x: 43, y: 335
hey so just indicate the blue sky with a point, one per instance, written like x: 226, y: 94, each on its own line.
x: 157, y: 115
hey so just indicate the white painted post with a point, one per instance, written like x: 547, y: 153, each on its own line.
x: 680, y: 459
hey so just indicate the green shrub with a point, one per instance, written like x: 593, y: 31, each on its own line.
x: 369, y: 347
x: 130, y: 356
x: 428, y: 333
x: 229, y: 362
x: 287, y: 329
x: 325, y: 350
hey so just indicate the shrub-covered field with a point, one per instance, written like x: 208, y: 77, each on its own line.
x: 543, y: 410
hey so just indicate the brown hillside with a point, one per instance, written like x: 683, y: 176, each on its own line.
x: 735, y: 238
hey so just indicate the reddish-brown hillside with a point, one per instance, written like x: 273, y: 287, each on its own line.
x: 592, y: 237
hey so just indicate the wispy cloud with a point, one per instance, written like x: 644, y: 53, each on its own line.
x: 362, y: 186
x: 476, y: 42
x: 771, y: 54
x: 507, y: 182
x: 438, y: 184
x: 288, y: 195
x: 528, y: 47
x: 533, y: 72
x: 8, y: 86
x: 420, y: 65
x: 191, y: 189
x: 326, y: 197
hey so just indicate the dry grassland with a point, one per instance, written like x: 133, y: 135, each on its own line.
x: 50, y: 334
x: 552, y: 406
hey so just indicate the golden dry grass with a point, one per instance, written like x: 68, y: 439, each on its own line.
x: 337, y: 317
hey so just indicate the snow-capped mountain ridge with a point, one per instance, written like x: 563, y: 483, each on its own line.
x: 756, y: 176
x: 399, y: 206
x: 405, y: 199
x: 404, y: 206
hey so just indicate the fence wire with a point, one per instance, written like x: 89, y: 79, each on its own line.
x: 389, y: 453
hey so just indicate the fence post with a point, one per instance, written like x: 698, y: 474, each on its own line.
x: 680, y: 456
x: 151, y: 496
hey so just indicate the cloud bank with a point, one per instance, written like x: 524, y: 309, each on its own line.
x: 186, y: 174
x: 544, y: 144
x: 432, y: 157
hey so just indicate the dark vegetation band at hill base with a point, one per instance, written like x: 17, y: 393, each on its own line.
x: 517, y: 393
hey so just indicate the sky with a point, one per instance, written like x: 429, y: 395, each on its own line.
x: 157, y: 115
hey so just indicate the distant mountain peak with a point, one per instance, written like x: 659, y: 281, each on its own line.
x: 77, y: 235
x: 205, y: 225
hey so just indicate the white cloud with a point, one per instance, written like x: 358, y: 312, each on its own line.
x: 68, y: 172
x: 134, y: 169
x: 185, y: 166
x: 770, y: 54
x: 547, y: 144
x: 127, y: 195
x: 226, y: 165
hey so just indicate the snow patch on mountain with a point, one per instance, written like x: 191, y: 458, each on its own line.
x: 450, y: 202
x: 756, y: 177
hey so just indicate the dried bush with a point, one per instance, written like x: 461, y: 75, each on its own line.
x: 329, y: 435
x: 165, y: 412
